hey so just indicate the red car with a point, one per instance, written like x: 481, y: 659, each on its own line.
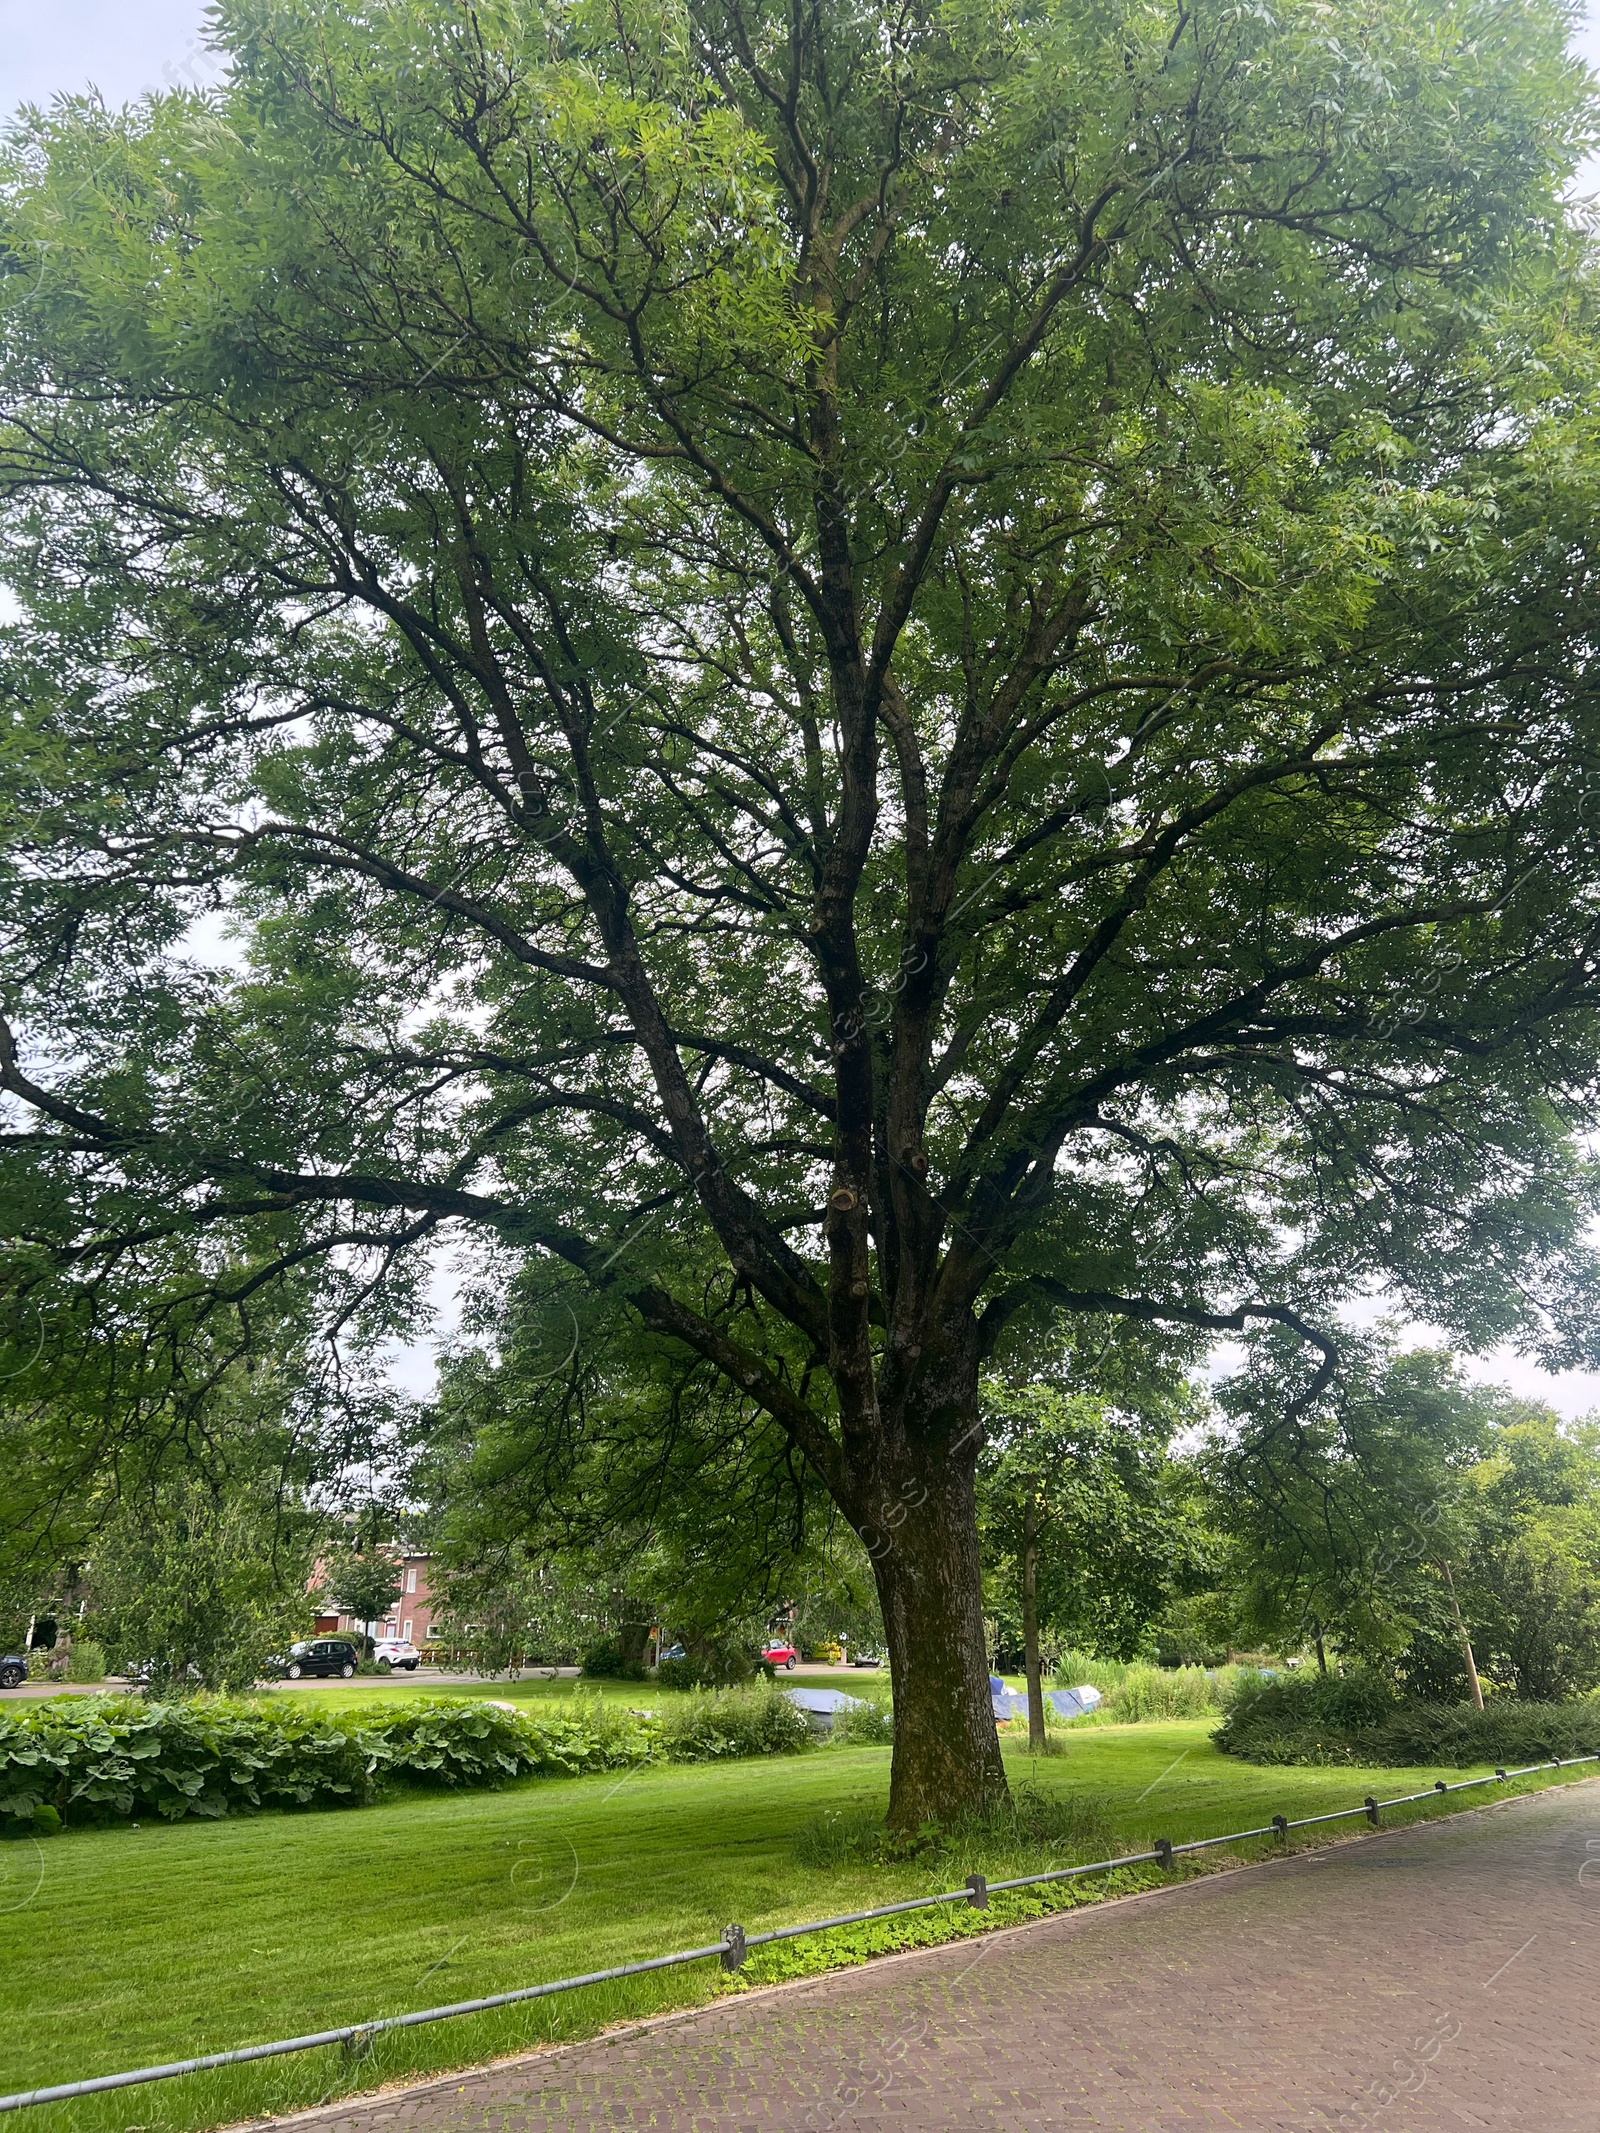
x: 783, y: 1655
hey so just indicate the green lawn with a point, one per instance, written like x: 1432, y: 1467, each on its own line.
x: 639, y: 1695
x: 124, y: 1947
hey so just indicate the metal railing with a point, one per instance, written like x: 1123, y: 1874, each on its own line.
x: 736, y: 1944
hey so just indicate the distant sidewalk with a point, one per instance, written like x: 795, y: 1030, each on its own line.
x: 1442, y: 1976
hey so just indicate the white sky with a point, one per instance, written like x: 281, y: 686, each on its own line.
x: 124, y: 48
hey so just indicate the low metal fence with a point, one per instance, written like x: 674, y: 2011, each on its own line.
x: 735, y: 1945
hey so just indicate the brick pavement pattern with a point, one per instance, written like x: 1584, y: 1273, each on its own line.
x: 1445, y: 1976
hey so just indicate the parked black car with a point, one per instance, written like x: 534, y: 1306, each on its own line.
x: 324, y: 1655
x: 13, y: 1671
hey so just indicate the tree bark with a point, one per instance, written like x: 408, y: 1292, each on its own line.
x: 1030, y: 1622
x: 1473, y: 1682
x: 1322, y: 1655
x: 946, y: 1751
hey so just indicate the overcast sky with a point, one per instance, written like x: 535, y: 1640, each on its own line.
x: 125, y: 47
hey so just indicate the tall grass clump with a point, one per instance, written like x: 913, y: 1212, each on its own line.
x: 1147, y: 1695
x: 703, y: 1726
x: 1075, y: 1669
x: 1032, y: 1832
x: 868, y: 1723
x: 1137, y: 1693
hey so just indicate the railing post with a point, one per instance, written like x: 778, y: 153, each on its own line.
x: 1162, y: 1847
x: 1281, y: 1824
x: 1372, y: 1812
x: 979, y: 1886
x: 1500, y: 1774
x: 733, y: 1950
x: 1439, y: 1785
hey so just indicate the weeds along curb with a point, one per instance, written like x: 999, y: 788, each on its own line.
x: 1148, y: 1885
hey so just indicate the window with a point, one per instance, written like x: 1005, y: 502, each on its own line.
x: 434, y: 1631
x: 411, y: 1581
x: 408, y: 1633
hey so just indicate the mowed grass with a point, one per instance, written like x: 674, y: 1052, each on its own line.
x: 125, y: 1947
x: 636, y: 1695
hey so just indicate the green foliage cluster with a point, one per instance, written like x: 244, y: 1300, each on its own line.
x: 1405, y: 1494
x: 867, y: 1722
x: 1137, y: 1693
x: 712, y: 1728
x: 196, y: 1586
x: 1084, y: 1480
x: 111, y: 1758
x: 1358, y: 1719
x: 1149, y: 1693
x: 102, y: 1759
x: 605, y: 1662
x: 710, y: 1663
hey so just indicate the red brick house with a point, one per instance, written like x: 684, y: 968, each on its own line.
x: 413, y: 1616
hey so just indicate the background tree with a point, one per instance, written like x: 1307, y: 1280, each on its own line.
x: 1529, y: 1577
x: 1341, y: 1525
x: 1082, y: 1523
x: 870, y: 677
x: 364, y: 1584
x: 194, y: 1589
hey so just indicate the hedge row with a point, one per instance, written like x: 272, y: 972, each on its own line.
x: 1358, y: 1721
x: 106, y: 1758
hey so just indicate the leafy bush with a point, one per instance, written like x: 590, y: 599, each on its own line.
x: 1266, y: 1729
x: 719, y: 1664
x: 734, y: 1723
x: 87, y: 1661
x: 453, y: 1743
x: 98, y: 1758
x: 1288, y: 1707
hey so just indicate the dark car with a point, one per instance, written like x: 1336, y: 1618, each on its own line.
x: 324, y: 1655
x: 13, y: 1671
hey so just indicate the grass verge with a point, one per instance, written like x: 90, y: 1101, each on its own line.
x: 123, y: 1947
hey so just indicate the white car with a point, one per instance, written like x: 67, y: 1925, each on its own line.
x: 391, y: 1652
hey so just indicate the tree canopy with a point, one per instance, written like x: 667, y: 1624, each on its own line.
x: 868, y: 676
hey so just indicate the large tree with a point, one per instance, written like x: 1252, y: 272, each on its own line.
x: 866, y: 673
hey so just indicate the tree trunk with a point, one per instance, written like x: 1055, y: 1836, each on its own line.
x: 1030, y: 1622
x: 1322, y: 1656
x: 924, y: 1549
x: 1473, y: 1682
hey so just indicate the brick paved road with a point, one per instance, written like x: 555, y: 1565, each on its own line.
x: 1453, y: 1970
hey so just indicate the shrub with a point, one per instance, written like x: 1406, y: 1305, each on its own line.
x: 108, y: 1757
x: 712, y: 1666
x: 734, y: 1723
x: 103, y: 1757
x: 440, y: 1743
x: 1449, y: 1736
x: 87, y: 1661
x: 1282, y: 1707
